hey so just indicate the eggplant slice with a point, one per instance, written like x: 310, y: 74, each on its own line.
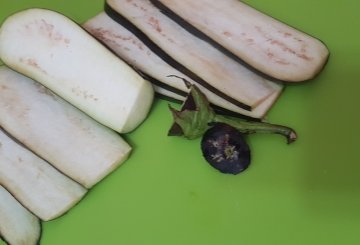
x: 53, y: 50
x: 35, y: 183
x: 134, y: 51
x: 268, y: 45
x: 192, y: 56
x: 167, y: 94
x: 165, y: 77
x: 64, y: 136
x: 18, y: 226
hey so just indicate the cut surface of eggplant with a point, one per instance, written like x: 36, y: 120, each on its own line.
x: 130, y: 48
x: 38, y: 186
x: 64, y: 136
x: 167, y: 79
x: 17, y: 225
x: 191, y: 55
x: 55, y: 51
x: 268, y: 45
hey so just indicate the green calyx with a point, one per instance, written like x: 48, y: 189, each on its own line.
x: 196, y: 117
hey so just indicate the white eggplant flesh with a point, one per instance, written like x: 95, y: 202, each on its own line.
x: 64, y: 136
x: 130, y: 48
x: 219, y: 71
x: 267, y: 44
x: 37, y: 185
x: 55, y: 51
x: 18, y: 226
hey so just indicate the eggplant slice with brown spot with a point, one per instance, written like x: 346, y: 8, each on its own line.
x: 194, y: 57
x: 249, y: 36
x: 55, y: 51
x: 67, y: 138
x: 134, y: 51
x: 167, y: 80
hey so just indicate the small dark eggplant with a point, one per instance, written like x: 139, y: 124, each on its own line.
x: 223, y: 143
x: 225, y: 149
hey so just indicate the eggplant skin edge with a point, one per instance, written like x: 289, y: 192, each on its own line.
x: 113, y: 14
x: 196, y: 32
x: 216, y: 108
x: 25, y: 146
x: 2, y: 238
x: 57, y: 217
x: 37, y: 242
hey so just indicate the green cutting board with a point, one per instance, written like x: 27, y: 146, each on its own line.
x: 304, y: 193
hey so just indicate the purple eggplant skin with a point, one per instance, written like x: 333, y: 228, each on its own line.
x: 225, y: 149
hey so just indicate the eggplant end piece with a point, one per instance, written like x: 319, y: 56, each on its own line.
x: 225, y: 149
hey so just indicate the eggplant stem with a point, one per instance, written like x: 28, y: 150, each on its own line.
x: 249, y: 127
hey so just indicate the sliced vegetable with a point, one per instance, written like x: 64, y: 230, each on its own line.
x: 246, y: 34
x: 192, y: 56
x: 131, y: 49
x: 167, y: 79
x: 64, y: 136
x: 18, y: 226
x: 225, y: 149
x: 53, y: 50
x: 168, y: 94
x: 34, y: 183
x: 134, y: 51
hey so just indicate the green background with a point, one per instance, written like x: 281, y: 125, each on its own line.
x: 305, y: 193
